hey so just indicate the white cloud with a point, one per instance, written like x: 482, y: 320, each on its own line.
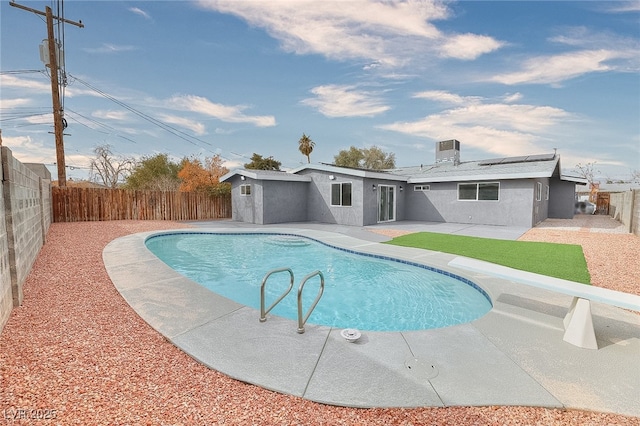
x: 380, y: 32
x: 196, y: 127
x: 46, y: 118
x: 345, y: 101
x: 110, y: 48
x: 140, y: 12
x: 469, y: 46
x: 111, y: 115
x: 31, y: 85
x: 28, y: 150
x: 14, y: 103
x: 501, y: 129
x: 512, y: 97
x: 557, y: 68
x: 230, y: 114
x: 621, y: 6
x: 447, y: 97
x: 595, y: 52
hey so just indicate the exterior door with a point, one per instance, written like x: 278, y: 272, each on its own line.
x: 386, y: 203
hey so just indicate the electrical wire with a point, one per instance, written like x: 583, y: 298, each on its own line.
x: 166, y: 127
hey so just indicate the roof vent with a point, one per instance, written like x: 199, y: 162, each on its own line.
x: 448, y: 152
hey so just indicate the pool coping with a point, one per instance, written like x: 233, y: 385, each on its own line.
x: 514, y: 355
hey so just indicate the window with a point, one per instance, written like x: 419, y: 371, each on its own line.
x: 489, y: 191
x: 538, y: 191
x: 546, y: 194
x: 422, y: 187
x: 245, y: 189
x: 341, y: 194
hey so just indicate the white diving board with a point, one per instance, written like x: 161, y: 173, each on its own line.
x: 578, y: 323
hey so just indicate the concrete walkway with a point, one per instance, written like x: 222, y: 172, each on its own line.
x: 514, y: 355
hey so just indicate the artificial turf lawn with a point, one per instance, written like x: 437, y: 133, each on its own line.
x: 564, y: 261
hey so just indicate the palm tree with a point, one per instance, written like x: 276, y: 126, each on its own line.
x: 305, y: 145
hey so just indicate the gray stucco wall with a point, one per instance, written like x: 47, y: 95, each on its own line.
x: 319, y: 199
x: 371, y: 197
x: 246, y: 208
x: 286, y: 201
x: 440, y: 204
x: 364, y: 199
x: 270, y: 201
x: 562, y: 196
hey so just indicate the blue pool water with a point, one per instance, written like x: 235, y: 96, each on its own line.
x: 361, y: 291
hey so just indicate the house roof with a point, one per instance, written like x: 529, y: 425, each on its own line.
x: 526, y: 167
x: 265, y: 175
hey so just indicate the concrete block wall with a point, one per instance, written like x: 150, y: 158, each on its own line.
x: 625, y: 207
x: 26, y: 215
x: 6, y: 298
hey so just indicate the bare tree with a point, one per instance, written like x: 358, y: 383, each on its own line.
x: 107, y: 169
x: 587, y: 171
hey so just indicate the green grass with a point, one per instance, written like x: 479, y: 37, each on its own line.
x: 564, y: 261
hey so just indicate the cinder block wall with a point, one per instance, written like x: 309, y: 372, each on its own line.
x: 26, y: 217
x: 6, y: 299
x: 625, y: 207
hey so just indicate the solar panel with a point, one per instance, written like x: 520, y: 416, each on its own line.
x: 490, y: 162
x: 510, y: 160
x: 541, y: 157
x: 520, y: 159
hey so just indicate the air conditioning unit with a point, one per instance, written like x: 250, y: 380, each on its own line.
x: 448, y: 151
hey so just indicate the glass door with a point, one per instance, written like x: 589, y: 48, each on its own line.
x: 386, y: 203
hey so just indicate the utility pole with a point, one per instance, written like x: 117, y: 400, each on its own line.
x: 55, y: 86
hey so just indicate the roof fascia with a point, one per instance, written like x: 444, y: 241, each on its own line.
x: 350, y: 172
x: 285, y: 176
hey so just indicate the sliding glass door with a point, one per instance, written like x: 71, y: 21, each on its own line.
x: 386, y: 203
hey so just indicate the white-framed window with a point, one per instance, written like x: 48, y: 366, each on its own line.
x: 341, y: 194
x: 480, y: 191
x: 546, y: 193
x: 538, y: 191
x: 245, y: 189
x: 422, y: 187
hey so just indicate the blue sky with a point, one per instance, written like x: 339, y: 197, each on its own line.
x: 234, y: 78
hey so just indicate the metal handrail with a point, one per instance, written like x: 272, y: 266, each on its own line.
x: 263, y: 312
x: 302, y: 321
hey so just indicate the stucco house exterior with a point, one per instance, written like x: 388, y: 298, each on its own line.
x: 512, y: 191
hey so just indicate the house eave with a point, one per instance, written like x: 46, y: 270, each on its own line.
x: 367, y: 174
x: 256, y: 175
x: 483, y: 177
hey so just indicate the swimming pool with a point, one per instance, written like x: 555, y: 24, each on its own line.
x: 361, y: 291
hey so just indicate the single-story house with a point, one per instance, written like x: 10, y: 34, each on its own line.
x: 513, y: 191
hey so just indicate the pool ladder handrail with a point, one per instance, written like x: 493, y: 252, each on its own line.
x: 302, y: 321
x: 263, y: 312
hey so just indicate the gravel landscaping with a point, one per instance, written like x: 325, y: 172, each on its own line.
x: 76, y: 352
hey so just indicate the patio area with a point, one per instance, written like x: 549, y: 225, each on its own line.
x: 76, y: 347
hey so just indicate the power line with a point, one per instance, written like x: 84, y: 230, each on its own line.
x: 166, y: 127
x: 58, y: 116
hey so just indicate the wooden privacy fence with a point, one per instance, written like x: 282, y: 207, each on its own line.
x: 93, y: 204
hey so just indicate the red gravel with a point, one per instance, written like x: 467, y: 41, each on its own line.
x: 77, y: 349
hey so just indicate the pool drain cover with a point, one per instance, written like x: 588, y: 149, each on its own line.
x: 421, y: 369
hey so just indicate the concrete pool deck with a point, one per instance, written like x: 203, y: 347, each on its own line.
x: 514, y: 355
